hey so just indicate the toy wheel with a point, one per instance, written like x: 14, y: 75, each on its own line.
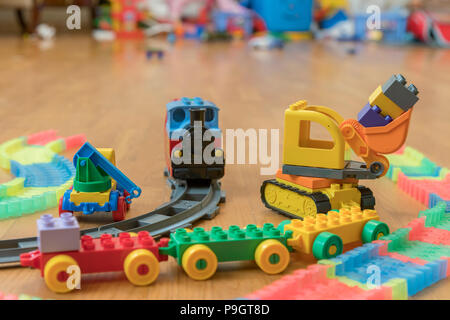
x: 374, y: 230
x: 119, y: 214
x: 272, y: 256
x: 60, y: 206
x: 141, y: 267
x: 199, y: 262
x: 327, y: 245
x: 55, y: 273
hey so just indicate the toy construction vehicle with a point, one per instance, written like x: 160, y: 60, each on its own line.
x: 315, y: 177
x: 98, y: 185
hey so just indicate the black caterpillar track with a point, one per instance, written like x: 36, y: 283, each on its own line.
x: 322, y: 202
x: 367, y: 198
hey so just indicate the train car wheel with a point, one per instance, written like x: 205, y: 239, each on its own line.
x: 327, y: 246
x: 374, y: 230
x: 272, y: 256
x: 55, y: 273
x: 121, y: 211
x: 60, y: 206
x: 199, y: 262
x: 141, y: 267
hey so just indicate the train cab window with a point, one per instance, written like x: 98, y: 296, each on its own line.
x: 209, y: 116
x: 178, y: 115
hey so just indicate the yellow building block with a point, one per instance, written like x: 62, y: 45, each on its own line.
x: 100, y: 197
x: 300, y: 149
x: 399, y: 288
x: 347, y: 224
x: 109, y: 154
x: 387, y: 106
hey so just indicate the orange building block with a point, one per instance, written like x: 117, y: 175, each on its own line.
x: 313, y: 182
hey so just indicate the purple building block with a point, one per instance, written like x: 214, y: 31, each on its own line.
x: 371, y: 117
x: 58, y: 234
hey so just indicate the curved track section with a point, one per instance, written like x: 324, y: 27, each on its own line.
x: 189, y: 202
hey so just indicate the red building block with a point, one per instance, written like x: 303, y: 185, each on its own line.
x: 313, y: 284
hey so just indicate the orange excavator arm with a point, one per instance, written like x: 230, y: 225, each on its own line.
x: 393, y: 103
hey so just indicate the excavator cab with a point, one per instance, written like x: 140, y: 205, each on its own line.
x: 300, y: 149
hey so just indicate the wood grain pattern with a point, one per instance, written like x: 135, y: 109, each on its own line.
x: 117, y: 98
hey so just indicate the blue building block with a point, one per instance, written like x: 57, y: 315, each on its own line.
x: 330, y: 22
x: 286, y: 15
x: 91, y: 207
x: 355, y: 265
x: 434, y: 199
x: 371, y: 117
x: 42, y: 175
x: 58, y: 234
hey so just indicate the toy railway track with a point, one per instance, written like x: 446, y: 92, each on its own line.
x: 189, y: 202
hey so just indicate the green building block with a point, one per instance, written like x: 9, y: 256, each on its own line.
x: 90, y: 178
x: 400, y: 244
x: 234, y: 244
x: 437, y: 217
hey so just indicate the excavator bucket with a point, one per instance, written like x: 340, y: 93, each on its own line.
x: 389, y: 138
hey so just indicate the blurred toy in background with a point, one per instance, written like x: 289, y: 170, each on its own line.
x: 126, y: 15
x: 103, y: 30
x: 45, y: 32
x: 150, y: 52
x: 281, y: 16
x: 429, y: 23
x: 266, y: 42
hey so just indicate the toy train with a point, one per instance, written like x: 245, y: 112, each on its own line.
x: 197, y: 251
x: 193, y: 149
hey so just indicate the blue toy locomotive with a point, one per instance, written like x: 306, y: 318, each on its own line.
x: 193, y: 149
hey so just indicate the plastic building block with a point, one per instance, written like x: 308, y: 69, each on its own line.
x: 300, y: 149
x: 199, y: 251
x: 42, y: 175
x: 387, y: 106
x: 312, y: 182
x: 438, y: 216
x: 313, y: 283
x: 395, y: 89
x: 428, y: 234
x: 138, y: 256
x: 371, y: 117
x: 427, y: 191
x: 346, y: 224
x: 88, y: 151
x: 399, y: 242
x: 58, y: 234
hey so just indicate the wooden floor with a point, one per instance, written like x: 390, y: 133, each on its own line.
x: 110, y: 92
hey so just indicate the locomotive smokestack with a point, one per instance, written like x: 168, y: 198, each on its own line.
x: 197, y: 115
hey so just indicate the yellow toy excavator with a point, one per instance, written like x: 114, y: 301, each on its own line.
x: 315, y: 177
